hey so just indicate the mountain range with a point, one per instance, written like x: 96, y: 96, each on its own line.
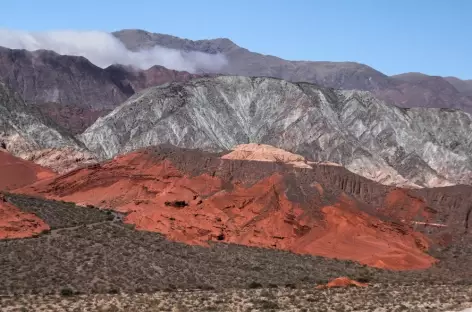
x: 409, y: 147
x: 408, y: 90
x: 70, y: 89
x: 267, y: 173
x: 74, y: 92
x: 117, y: 109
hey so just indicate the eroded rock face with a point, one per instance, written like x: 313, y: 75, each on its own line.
x: 391, y: 145
x: 24, y: 129
x: 193, y: 196
x: 60, y: 160
x: 264, y: 152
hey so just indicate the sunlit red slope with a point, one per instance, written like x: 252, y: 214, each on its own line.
x: 193, y: 197
x: 16, y: 172
x: 17, y: 224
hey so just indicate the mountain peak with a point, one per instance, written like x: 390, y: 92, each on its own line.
x: 136, y: 39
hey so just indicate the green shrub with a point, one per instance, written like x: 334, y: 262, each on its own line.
x: 254, y: 285
x: 67, y: 292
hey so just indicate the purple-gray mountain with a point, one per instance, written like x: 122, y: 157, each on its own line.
x: 407, y: 90
x: 70, y: 89
x: 464, y: 86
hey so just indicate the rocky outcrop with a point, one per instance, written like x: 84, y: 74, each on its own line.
x: 342, y: 282
x: 24, y: 129
x: 60, y: 160
x: 391, y: 145
x: 263, y: 152
x: 419, y: 91
x: 195, y: 197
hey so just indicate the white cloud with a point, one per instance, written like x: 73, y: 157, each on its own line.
x: 103, y: 49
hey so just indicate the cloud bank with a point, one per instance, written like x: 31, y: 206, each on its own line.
x: 103, y: 49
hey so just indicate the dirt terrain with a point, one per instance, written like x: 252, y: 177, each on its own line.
x: 264, y: 152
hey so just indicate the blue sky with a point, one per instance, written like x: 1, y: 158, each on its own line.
x: 393, y: 36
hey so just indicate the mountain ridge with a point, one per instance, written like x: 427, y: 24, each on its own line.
x: 74, y: 92
x: 70, y: 89
x: 24, y: 128
x: 340, y: 75
x: 353, y: 128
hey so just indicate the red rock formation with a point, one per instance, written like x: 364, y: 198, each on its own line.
x: 402, y: 205
x: 342, y: 282
x: 16, y: 172
x: 16, y: 224
x: 193, y: 198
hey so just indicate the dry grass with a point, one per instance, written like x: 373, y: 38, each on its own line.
x: 415, y: 297
x: 91, y: 261
x: 60, y: 214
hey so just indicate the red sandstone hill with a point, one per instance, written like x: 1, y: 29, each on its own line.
x: 17, y: 224
x: 192, y: 197
x: 16, y: 172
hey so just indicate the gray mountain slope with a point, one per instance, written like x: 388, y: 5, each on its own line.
x: 411, y: 147
x: 24, y: 129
